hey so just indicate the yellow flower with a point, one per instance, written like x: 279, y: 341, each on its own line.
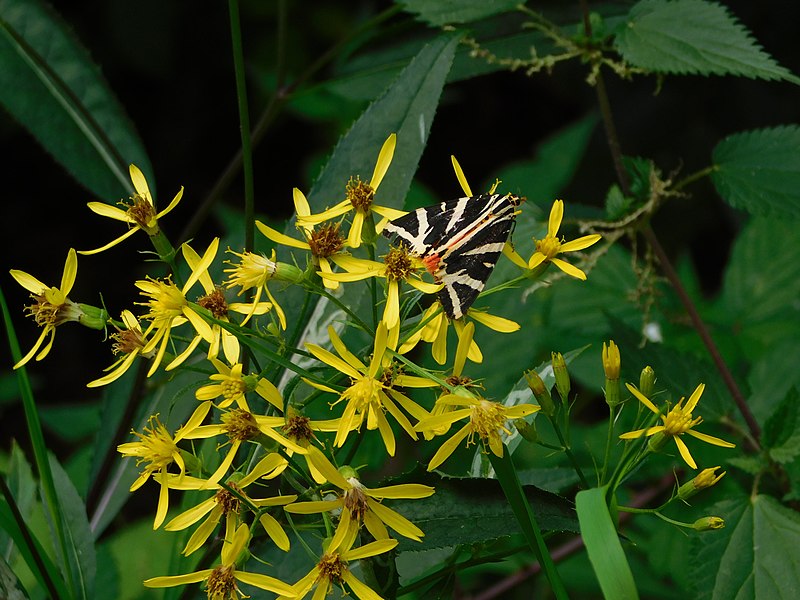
x: 360, y: 197
x: 368, y: 395
x: 233, y: 385
x: 241, y: 425
x: 437, y: 325
x: 677, y: 421
x: 253, y: 271
x: 398, y: 265
x: 611, y: 360
x: 225, y: 504
x: 52, y: 306
x: 157, y: 450
x: 140, y: 213
x: 168, y: 307
x: 360, y: 504
x: 551, y: 246
x: 324, y: 243
x: 486, y: 419
x: 221, y: 580
x: 333, y: 569
x: 214, y: 301
x: 128, y: 343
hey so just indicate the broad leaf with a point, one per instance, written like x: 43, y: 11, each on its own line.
x: 50, y: 85
x: 754, y: 556
x: 449, y: 12
x: 693, y: 37
x: 467, y: 511
x: 759, y: 171
x: 781, y: 435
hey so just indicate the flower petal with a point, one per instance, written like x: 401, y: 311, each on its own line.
x: 462, y: 180
x: 383, y: 162
x: 710, y: 439
x: 580, y: 243
x: 556, y: 215
x: 569, y: 269
x: 280, y: 238
x: 70, y: 271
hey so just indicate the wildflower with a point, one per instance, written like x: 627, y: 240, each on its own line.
x: 128, y: 344
x: 368, y: 395
x: 252, y: 272
x: 561, y: 374
x: 241, y: 425
x: 708, y: 523
x: 51, y: 307
x: 677, y: 421
x: 540, y: 392
x: 233, y: 385
x: 551, y: 246
x: 168, y: 307
x: 157, y: 450
x: 486, y: 419
x: 333, y: 568
x: 221, y: 580
x: 214, y: 301
x: 398, y: 265
x: 325, y: 243
x: 140, y: 213
x: 647, y: 381
x: 437, y: 325
x: 226, y: 504
x: 360, y: 504
x: 359, y: 198
x: 300, y: 429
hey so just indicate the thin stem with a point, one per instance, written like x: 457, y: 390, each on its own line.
x: 244, y: 123
x: 609, y: 442
x: 693, y: 177
x: 568, y: 451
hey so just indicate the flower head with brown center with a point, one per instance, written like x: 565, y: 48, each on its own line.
x: 359, y: 197
x: 677, y: 421
x: 51, y: 306
x: 138, y: 213
x: 128, y: 343
x: 253, y: 271
x: 221, y: 581
x: 232, y: 385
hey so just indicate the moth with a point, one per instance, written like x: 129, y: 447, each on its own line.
x: 459, y: 241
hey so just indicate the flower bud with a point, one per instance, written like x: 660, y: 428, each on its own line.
x: 540, y: 392
x: 708, y: 523
x: 611, y: 360
x: 705, y: 479
x: 647, y: 381
x: 562, y: 375
x: 527, y: 430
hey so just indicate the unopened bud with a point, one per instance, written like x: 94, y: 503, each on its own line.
x: 705, y: 479
x: 647, y: 381
x: 612, y: 392
x: 562, y: 376
x: 540, y: 392
x: 708, y: 523
x: 611, y: 360
x: 527, y: 430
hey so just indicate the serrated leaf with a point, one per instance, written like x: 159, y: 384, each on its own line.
x: 781, y: 433
x: 761, y: 288
x: 693, y: 37
x: 767, y: 389
x: 748, y: 464
x: 759, y: 171
x: 80, y: 542
x: 754, y: 556
x: 467, y: 511
x: 603, y: 546
x: 449, y: 12
x: 50, y: 85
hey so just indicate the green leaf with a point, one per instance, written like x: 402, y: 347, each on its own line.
x: 781, y: 434
x: 603, y: 546
x: 760, y: 292
x: 448, y: 12
x: 759, y: 171
x: 693, y: 37
x: 80, y: 542
x: 473, y: 510
x: 772, y: 375
x: 50, y: 85
x: 755, y: 556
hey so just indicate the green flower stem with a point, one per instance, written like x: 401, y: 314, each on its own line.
x: 373, y: 286
x: 693, y: 177
x: 166, y: 252
x: 609, y: 443
x: 244, y: 124
x: 568, y: 451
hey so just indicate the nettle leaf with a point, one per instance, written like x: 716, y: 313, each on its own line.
x: 50, y: 84
x: 754, y: 556
x: 468, y: 511
x: 759, y: 171
x: 444, y: 12
x: 693, y: 37
x: 781, y: 435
